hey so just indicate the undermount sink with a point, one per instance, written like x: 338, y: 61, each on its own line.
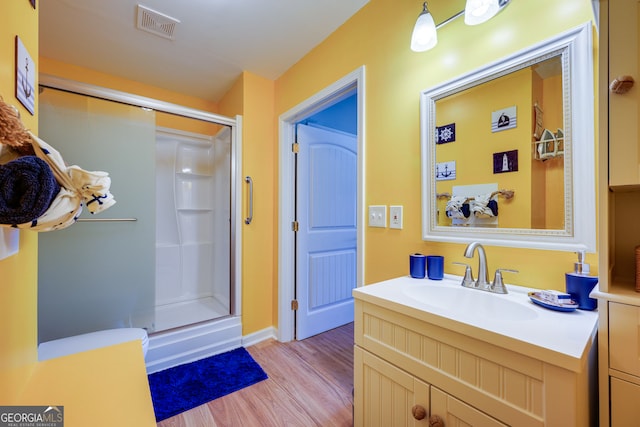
x: 449, y: 296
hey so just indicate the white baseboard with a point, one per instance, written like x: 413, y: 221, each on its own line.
x: 259, y: 336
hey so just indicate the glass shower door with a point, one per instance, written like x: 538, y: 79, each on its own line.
x: 161, y: 257
x: 100, y: 272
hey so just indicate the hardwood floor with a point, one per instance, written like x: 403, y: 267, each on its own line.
x: 310, y: 384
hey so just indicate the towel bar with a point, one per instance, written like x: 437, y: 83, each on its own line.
x: 107, y: 219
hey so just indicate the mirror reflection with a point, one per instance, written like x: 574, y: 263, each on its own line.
x: 508, y: 150
x: 499, y: 153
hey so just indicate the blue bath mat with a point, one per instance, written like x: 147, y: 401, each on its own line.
x: 184, y: 387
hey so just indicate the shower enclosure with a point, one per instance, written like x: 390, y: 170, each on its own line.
x: 192, y: 227
x: 164, y: 257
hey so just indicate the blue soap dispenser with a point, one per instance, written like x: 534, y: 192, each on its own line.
x: 579, y: 284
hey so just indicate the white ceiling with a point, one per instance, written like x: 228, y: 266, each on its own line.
x: 213, y: 43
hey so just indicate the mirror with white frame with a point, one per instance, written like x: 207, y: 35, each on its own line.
x: 508, y: 150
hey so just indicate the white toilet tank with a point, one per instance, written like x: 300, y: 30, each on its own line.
x: 78, y: 343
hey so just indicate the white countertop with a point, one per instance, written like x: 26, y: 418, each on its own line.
x: 511, y: 321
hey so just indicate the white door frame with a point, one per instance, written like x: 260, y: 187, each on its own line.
x: 286, y: 208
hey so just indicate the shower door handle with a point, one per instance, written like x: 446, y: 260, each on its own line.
x: 249, y: 181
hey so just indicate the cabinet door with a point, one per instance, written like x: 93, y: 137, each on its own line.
x: 624, y: 149
x: 457, y: 413
x: 624, y: 403
x: 624, y: 341
x: 385, y: 395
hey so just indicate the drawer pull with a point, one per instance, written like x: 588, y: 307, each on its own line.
x: 436, y: 421
x: 621, y: 85
x: 418, y: 411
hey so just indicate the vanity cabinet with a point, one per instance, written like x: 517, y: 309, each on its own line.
x: 619, y: 210
x: 402, y: 359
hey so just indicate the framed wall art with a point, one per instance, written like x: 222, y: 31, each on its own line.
x: 504, y: 119
x: 507, y: 161
x: 25, y: 77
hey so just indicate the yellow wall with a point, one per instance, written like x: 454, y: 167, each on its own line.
x: 18, y: 273
x: 252, y: 96
x: 378, y: 37
x: 554, y: 168
x: 86, y: 75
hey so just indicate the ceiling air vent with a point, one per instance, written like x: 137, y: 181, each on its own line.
x: 156, y: 23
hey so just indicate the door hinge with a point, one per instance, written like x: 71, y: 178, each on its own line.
x: 295, y: 147
x: 295, y: 225
x: 294, y: 304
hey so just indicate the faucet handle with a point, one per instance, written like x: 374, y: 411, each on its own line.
x: 498, y: 285
x: 467, y: 281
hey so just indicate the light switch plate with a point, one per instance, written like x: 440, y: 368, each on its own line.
x: 9, y: 242
x: 378, y: 216
x: 395, y: 217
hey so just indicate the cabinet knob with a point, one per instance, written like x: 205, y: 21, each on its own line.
x: 436, y: 421
x: 621, y: 84
x: 418, y: 411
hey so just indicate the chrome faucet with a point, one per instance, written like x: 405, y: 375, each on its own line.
x: 483, y: 279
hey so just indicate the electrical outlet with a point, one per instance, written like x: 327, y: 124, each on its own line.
x: 395, y: 217
x: 378, y: 216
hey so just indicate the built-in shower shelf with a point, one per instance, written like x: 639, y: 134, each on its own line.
x: 195, y: 210
x: 192, y: 243
x: 194, y: 175
x: 194, y: 191
x: 160, y: 244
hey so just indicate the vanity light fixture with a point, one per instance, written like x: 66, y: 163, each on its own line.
x: 425, y: 36
x: 479, y: 11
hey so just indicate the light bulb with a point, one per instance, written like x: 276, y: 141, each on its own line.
x: 424, y: 35
x: 479, y: 11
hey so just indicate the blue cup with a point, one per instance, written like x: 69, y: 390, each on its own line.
x: 417, y: 265
x: 435, y: 267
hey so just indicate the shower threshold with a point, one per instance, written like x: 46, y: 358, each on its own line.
x: 175, y: 315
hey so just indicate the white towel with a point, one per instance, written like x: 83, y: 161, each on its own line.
x: 78, y: 187
x: 94, y: 188
x: 454, y: 207
x: 479, y: 206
